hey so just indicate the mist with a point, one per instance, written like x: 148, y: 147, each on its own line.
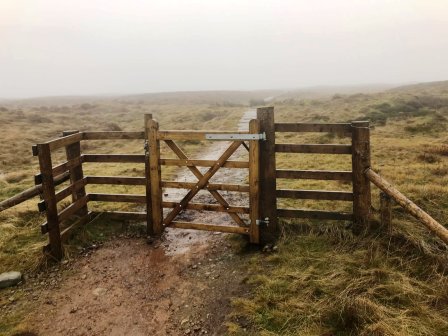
x: 86, y: 47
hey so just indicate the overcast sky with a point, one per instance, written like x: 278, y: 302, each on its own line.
x: 64, y: 47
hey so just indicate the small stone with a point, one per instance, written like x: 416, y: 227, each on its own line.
x: 275, y: 248
x: 99, y: 291
x: 9, y: 279
x: 84, y: 276
x: 73, y: 310
x: 194, y: 266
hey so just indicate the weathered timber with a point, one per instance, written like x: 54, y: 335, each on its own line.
x: 254, y: 183
x: 386, y: 211
x: 113, y: 135
x: 48, y: 191
x: 202, y: 163
x: 313, y: 214
x: 268, y: 201
x: 208, y: 207
x: 210, y: 186
x: 66, y: 233
x: 57, y: 179
x: 149, y: 226
x: 434, y: 226
x: 315, y: 194
x: 72, y: 209
x: 21, y: 197
x: 117, y: 180
x: 155, y: 175
x: 60, y: 195
x: 340, y: 128
x: 361, y: 185
x: 315, y: 174
x: 192, y: 135
x: 115, y: 158
x: 313, y: 148
x: 196, y: 172
x: 123, y: 215
x: 125, y: 198
x: 209, y: 227
x: 62, y: 142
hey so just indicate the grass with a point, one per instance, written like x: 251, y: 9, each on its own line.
x: 323, y: 280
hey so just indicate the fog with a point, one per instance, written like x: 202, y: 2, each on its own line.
x: 54, y: 47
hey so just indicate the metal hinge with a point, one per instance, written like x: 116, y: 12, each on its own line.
x: 262, y: 221
x: 236, y: 136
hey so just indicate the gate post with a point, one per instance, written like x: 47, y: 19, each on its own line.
x: 361, y: 184
x: 254, y: 182
x: 155, y: 176
x: 268, y: 200
x: 149, y: 226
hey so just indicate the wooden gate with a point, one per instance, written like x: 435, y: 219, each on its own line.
x: 155, y: 194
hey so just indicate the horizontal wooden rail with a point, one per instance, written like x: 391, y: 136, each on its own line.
x: 314, y: 174
x: 208, y: 207
x: 30, y: 193
x: 340, y: 128
x: 315, y: 194
x: 408, y: 205
x: 209, y: 227
x: 70, y: 164
x: 191, y: 135
x: 118, y: 180
x: 127, y: 198
x: 115, y: 158
x: 202, y: 163
x: 67, y: 212
x: 60, y: 142
x: 60, y: 195
x: 210, y: 186
x: 313, y: 214
x: 123, y: 215
x: 113, y: 135
x: 65, y: 234
x: 313, y: 148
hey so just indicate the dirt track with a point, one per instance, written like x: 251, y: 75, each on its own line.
x: 181, y: 284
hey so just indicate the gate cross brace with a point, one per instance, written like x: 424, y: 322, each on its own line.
x: 202, y: 181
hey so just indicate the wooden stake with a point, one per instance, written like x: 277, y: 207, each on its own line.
x: 361, y: 184
x: 268, y: 199
x: 155, y: 175
x: 73, y: 151
x: 149, y: 225
x: 254, y: 180
x: 48, y: 191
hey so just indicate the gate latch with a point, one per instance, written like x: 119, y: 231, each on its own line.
x: 262, y: 221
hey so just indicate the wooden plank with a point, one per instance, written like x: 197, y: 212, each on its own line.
x: 208, y: 207
x: 268, y: 201
x: 315, y: 194
x: 191, y: 135
x: 313, y: 214
x: 340, y: 128
x: 149, y: 226
x: 434, y: 226
x: 116, y: 158
x: 20, y: 197
x: 126, y: 198
x: 113, y: 135
x: 202, y: 182
x: 209, y: 227
x: 196, y: 172
x: 72, y: 209
x: 202, y: 163
x: 361, y: 185
x: 48, y: 191
x: 57, y: 179
x: 123, y: 215
x: 155, y: 175
x: 68, y: 165
x: 60, y: 195
x: 315, y: 174
x: 314, y: 148
x: 117, y: 180
x: 254, y: 183
x: 73, y: 152
x: 66, y: 233
x: 210, y: 186
x: 62, y: 142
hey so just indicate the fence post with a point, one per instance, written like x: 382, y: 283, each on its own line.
x: 73, y: 151
x: 254, y: 182
x: 268, y: 200
x: 149, y: 226
x: 155, y: 177
x: 386, y: 211
x: 48, y: 191
x: 361, y: 184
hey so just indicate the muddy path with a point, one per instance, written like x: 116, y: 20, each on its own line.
x: 181, y: 284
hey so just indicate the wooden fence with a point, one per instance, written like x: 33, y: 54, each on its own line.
x: 262, y: 187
